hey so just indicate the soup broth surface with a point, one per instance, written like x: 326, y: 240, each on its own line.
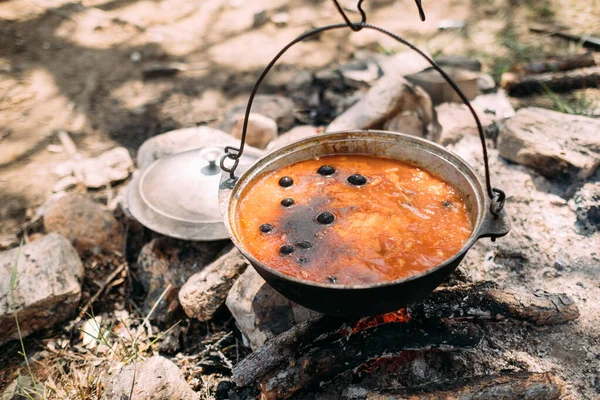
x: 351, y: 219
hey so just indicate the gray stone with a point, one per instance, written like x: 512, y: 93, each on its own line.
x: 460, y: 62
x: 360, y: 74
x: 390, y: 96
x: 166, y: 261
x: 543, y: 227
x: 556, y: 145
x: 485, y: 83
x: 260, y: 312
x: 205, y: 292
x: 296, y: 133
x: 439, y: 90
x: 110, y: 167
x: 404, y: 63
x: 156, y: 378
x: 21, y: 388
x: 85, y: 223
x: 278, y: 108
x: 181, y: 140
x: 456, y: 120
x: 47, y: 288
x: 260, y: 130
x: 586, y: 205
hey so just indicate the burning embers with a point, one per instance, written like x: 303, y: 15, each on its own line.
x: 369, y: 322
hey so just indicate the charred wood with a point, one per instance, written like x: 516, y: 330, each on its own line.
x: 556, y: 64
x: 523, y: 85
x: 508, y: 386
x: 284, y: 347
x: 328, y: 358
x: 485, y: 301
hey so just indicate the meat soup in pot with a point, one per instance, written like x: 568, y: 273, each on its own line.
x: 351, y: 219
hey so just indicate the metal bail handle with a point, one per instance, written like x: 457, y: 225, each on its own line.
x: 497, y: 196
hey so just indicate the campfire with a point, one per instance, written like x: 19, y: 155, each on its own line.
x: 378, y: 354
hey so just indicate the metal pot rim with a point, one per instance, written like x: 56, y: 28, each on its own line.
x: 482, y: 227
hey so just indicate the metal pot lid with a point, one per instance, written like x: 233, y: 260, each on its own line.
x: 178, y: 195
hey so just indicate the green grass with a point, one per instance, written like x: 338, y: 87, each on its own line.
x: 38, y: 391
x: 577, y: 104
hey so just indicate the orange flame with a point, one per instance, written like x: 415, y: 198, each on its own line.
x: 401, y: 315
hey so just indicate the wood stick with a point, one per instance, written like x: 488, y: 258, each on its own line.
x: 284, y: 347
x: 556, y: 64
x: 206, y: 291
x: 329, y: 359
x: 523, y: 85
x: 485, y: 301
x: 508, y: 386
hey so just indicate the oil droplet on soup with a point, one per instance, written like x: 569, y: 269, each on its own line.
x: 361, y: 220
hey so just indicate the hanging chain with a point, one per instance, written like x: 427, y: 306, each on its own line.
x: 497, y: 196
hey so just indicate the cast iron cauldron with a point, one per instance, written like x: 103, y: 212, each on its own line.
x: 484, y: 203
x: 363, y: 300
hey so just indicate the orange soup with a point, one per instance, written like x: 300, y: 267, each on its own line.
x: 352, y: 219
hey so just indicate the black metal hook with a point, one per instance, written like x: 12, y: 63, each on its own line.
x: 421, y: 11
x: 357, y: 26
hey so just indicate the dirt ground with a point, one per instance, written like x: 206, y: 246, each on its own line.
x: 77, y: 66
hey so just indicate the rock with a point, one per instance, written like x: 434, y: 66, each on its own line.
x: 404, y: 63
x: 181, y: 140
x: 586, y: 205
x: 260, y: 312
x: 457, y: 121
x: 439, y: 90
x: 280, y: 19
x: 406, y: 122
x: 48, y: 285
x: 390, y: 96
x: 556, y: 145
x: 156, y: 378
x: 296, y: 133
x: 459, y: 62
x: 485, y: 83
x: 64, y: 184
x: 360, y: 74
x: 205, y: 292
x: 278, y: 108
x: 110, y: 167
x: 542, y: 235
x: 165, y: 261
x: 261, y: 130
x: 85, y: 223
x: 20, y: 389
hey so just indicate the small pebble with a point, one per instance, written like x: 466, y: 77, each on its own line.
x: 287, y: 202
x: 357, y: 180
x: 325, y: 218
x: 286, y: 249
x: 332, y: 279
x: 286, y: 181
x: 304, y: 245
x: 266, y: 228
x: 303, y: 260
x: 326, y: 170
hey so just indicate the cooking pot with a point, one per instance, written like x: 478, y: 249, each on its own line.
x: 484, y: 204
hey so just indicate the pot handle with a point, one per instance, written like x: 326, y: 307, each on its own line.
x: 226, y: 185
x: 497, y: 196
x: 495, y: 226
